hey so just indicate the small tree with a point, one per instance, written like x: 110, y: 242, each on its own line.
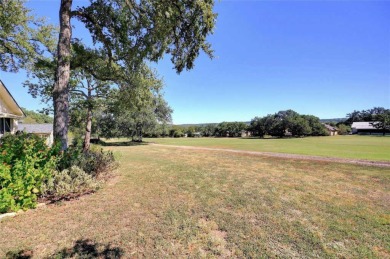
x: 343, y: 129
x: 136, y: 107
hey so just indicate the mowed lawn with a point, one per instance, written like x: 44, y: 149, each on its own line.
x: 176, y: 203
x: 353, y: 147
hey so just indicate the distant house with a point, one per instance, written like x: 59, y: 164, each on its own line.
x: 10, y: 112
x: 43, y: 130
x: 365, y: 128
x: 332, y: 131
x: 245, y: 133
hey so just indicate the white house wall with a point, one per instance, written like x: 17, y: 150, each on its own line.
x: 4, y: 109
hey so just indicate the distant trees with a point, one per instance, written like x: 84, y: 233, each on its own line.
x: 33, y: 117
x: 285, y: 123
x: 343, y: 129
x: 230, y: 129
x: 280, y: 124
x: 365, y: 115
x: 378, y: 116
x: 382, y: 121
x: 223, y: 129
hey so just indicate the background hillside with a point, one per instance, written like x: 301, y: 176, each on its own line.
x: 33, y: 117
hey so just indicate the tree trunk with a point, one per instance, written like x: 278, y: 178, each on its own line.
x: 88, y: 127
x: 60, y: 91
x: 87, y: 138
x: 140, y: 134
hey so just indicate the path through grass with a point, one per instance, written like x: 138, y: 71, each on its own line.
x: 189, y: 203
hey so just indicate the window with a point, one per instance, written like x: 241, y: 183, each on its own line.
x: 5, y: 125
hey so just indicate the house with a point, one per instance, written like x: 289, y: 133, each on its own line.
x: 245, y: 133
x: 43, y: 130
x: 331, y: 130
x: 10, y: 112
x: 364, y: 128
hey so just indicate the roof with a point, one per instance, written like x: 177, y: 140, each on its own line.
x: 330, y: 128
x: 46, y: 128
x: 363, y: 125
x: 10, y: 102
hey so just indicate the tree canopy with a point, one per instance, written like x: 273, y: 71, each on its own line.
x: 136, y: 107
x: 23, y: 38
x: 285, y: 123
x: 364, y: 115
x: 129, y: 32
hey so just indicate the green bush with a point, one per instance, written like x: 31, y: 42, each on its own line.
x: 69, y: 182
x: 25, y: 163
x: 29, y: 168
x: 97, y: 163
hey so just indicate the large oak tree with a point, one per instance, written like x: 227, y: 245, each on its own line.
x: 130, y: 32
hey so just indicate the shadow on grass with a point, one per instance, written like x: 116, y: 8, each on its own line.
x: 83, y: 248
x: 122, y: 143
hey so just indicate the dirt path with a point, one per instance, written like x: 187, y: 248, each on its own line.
x: 290, y: 156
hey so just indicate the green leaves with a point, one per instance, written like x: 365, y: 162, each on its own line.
x: 26, y: 162
x: 132, y: 31
x: 23, y: 38
x: 287, y: 122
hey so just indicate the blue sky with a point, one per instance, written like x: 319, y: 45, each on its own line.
x: 325, y: 58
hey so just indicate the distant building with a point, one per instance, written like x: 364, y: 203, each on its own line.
x: 245, y: 133
x: 332, y: 131
x: 365, y: 128
x: 10, y: 112
x: 43, y: 130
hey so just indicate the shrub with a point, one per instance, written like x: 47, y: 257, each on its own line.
x: 344, y: 129
x: 69, y: 157
x: 29, y: 168
x: 25, y: 163
x: 69, y: 182
x: 97, y: 163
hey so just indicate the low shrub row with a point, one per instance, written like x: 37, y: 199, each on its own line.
x: 30, y: 170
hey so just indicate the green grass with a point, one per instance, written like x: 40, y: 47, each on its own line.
x: 353, y: 147
x: 174, y: 203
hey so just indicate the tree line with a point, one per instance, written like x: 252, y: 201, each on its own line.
x: 223, y: 129
x: 280, y: 124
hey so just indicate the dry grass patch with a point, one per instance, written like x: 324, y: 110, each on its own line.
x: 187, y: 203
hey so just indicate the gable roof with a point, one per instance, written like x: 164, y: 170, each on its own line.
x: 363, y: 125
x: 46, y: 128
x: 7, y: 98
x: 330, y: 128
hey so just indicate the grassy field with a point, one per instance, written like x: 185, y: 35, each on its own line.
x: 354, y: 147
x: 168, y: 202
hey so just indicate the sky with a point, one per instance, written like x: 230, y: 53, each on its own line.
x: 325, y: 58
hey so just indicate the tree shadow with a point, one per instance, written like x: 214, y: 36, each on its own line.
x: 83, y: 248
x: 122, y: 143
